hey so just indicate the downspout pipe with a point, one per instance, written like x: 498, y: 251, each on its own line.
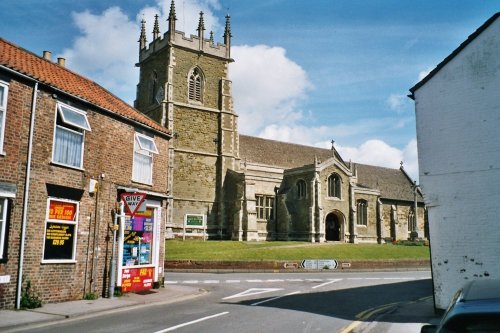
x: 25, y: 199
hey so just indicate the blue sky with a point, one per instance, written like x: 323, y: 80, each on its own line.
x: 306, y: 72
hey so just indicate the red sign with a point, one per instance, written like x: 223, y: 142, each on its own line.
x: 60, y: 210
x: 133, y: 201
x: 137, y: 279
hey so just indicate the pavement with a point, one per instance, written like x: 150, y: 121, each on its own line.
x: 401, y: 317
x: 19, y: 320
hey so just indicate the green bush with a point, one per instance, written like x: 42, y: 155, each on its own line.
x: 90, y: 296
x: 29, y: 299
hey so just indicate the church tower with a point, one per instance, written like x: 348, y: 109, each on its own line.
x: 184, y: 86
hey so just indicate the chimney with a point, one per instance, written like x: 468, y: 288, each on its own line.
x: 61, y: 62
x: 47, y: 55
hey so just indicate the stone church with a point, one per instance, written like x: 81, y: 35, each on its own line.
x: 223, y: 185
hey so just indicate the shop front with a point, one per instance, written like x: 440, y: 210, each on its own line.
x: 140, y: 263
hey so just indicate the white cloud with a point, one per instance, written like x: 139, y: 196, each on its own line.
x: 102, y: 52
x: 267, y: 86
x: 424, y: 73
x: 377, y: 152
x: 397, y: 102
x: 107, y: 48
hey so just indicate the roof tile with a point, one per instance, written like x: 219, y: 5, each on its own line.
x: 61, y: 78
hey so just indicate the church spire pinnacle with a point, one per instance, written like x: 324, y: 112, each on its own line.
x: 227, y: 36
x: 156, y: 28
x: 201, y: 30
x: 171, y: 20
x: 142, y: 37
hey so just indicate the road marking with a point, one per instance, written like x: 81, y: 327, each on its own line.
x: 326, y: 283
x: 289, y: 280
x: 351, y: 326
x: 274, y: 298
x: 253, y: 291
x: 365, y: 315
x: 173, y: 328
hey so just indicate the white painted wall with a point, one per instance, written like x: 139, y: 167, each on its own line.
x: 458, y: 134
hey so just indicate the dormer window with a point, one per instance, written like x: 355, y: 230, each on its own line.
x: 71, y: 125
x: 144, y: 149
x: 195, y: 85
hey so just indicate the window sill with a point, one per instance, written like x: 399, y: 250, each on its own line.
x: 67, y: 166
x: 70, y: 261
x: 333, y: 199
x: 141, y: 183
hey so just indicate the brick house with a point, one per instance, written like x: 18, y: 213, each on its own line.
x: 230, y: 186
x: 68, y: 150
x: 457, y: 108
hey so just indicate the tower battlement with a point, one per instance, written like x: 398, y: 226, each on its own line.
x: 207, y: 46
x: 173, y: 37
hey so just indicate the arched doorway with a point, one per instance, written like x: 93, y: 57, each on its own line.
x: 333, y: 228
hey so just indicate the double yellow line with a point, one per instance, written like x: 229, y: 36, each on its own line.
x: 365, y: 315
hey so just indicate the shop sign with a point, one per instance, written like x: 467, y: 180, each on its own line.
x: 137, y: 279
x: 63, y: 211
x: 59, y: 241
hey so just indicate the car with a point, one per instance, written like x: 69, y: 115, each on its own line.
x: 474, y: 308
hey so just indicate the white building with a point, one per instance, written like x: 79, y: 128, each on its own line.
x: 458, y: 132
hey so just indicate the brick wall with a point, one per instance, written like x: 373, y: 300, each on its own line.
x: 108, y: 152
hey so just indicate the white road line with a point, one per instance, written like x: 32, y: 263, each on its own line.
x: 294, y: 280
x: 233, y: 281
x: 191, y: 281
x: 253, y: 281
x: 314, y: 280
x: 192, y: 322
x: 253, y: 291
x: 275, y: 280
x: 211, y: 281
x: 274, y: 298
x: 326, y: 283
x: 171, y: 282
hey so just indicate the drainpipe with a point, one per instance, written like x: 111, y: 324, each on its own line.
x: 25, y: 200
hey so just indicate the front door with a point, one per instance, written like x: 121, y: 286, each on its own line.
x: 332, y: 228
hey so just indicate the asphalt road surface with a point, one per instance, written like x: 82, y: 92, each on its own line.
x: 270, y: 302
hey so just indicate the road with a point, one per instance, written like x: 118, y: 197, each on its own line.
x: 270, y: 302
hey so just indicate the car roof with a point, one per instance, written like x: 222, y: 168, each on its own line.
x: 483, y: 289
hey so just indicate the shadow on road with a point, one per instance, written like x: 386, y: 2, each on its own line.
x: 348, y: 303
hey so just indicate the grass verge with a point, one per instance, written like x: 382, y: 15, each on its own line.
x: 270, y: 251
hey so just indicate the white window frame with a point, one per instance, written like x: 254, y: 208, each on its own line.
x: 264, y: 205
x: 3, y: 114
x: 75, y: 235
x: 3, y: 224
x: 144, y: 146
x: 80, y: 130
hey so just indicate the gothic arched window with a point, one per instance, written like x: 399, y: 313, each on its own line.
x: 411, y: 221
x: 154, y: 85
x: 334, y: 186
x: 195, y: 90
x: 362, y: 210
x: 301, y: 189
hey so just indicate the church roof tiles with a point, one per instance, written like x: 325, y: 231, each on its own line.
x: 393, y: 184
